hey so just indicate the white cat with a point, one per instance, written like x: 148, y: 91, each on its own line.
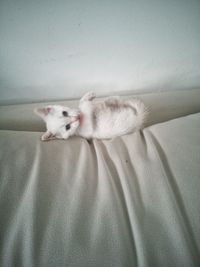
x: 93, y: 119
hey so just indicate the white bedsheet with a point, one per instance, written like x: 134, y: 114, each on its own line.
x: 131, y: 201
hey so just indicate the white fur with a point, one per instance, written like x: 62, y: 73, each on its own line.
x: 100, y: 119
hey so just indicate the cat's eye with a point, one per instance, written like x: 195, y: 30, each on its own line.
x: 65, y: 114
x: 67, y: 127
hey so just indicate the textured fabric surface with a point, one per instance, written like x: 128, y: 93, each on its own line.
x: 131, y: 201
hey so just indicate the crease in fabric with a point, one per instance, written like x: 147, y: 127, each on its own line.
x: 21, y: 224
x: 179, y: 204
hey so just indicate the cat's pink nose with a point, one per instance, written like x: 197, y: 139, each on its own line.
x: 73, y: 118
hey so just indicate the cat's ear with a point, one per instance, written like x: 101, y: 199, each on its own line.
x: 47, y: 136
x: 43, y: 112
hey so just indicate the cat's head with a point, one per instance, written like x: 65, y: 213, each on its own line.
x: 61, y: 122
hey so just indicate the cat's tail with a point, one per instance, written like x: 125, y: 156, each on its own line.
x: 141, y: 112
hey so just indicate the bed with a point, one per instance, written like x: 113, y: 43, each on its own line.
x: 130, y: 201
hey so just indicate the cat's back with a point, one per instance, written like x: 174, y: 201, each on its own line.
x: 112, y: 119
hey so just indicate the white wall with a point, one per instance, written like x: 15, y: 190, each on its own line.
x: 54, y: 49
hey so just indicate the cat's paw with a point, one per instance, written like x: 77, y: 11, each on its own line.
x: 88, y: 96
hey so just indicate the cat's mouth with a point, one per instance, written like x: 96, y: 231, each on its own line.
x: 80, y: 117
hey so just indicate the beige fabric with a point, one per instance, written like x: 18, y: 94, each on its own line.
x: 163, y: 106
x: 131, y: 201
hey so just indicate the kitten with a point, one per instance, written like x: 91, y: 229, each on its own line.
x: 102, y: 119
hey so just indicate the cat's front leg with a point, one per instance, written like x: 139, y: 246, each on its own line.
x: 86, y: 107
x: 88, y: 97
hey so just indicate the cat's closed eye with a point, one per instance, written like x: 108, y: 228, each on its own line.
x: 65, y: 114
x: 67, y: 127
